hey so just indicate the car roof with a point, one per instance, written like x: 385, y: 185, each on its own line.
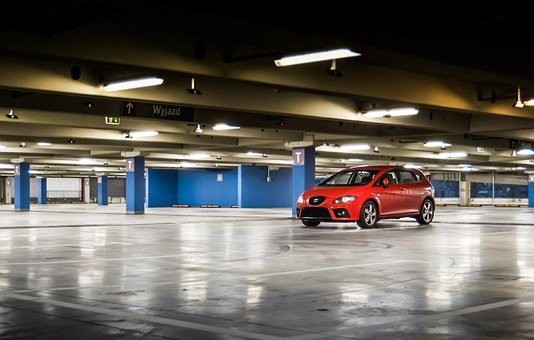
x: 375, y: 167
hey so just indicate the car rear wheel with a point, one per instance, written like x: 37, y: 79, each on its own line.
x: 426, y: 213
x: 368, y: 215
x: 310, y: 223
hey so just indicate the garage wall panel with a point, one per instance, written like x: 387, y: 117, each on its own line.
x: 162, y: 187
x: 202, y: 187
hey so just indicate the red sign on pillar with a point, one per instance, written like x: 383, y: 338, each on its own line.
x: 298, y: 156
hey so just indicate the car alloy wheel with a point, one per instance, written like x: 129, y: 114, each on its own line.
x: 368, y: 215
x: 426, y: 215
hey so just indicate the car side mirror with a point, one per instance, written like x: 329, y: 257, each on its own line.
x: 385, y: 183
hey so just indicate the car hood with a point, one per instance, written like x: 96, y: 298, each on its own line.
x: 332, y: 192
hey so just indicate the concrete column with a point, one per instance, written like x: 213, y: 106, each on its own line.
x: 102, y: 190
x: 303, y: 172
x: 87, y: 190
x: 531, y: 191
x: 41, y: 191
x: 135, y: 185
x: 22, y: 186
x: 9, y: 190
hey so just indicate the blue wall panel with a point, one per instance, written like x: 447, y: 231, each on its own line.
x: 255, y: 192
x: 162, y: 186
x: 531, y: 194
x: 280, y: 188
x: 199, y: 187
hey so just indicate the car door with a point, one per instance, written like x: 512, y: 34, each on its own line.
x: 409, y: 191
x: 391, y: 200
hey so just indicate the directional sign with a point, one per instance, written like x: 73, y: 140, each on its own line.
x: 158, y: 111
x: 298, y: 156
x: 130, y: 163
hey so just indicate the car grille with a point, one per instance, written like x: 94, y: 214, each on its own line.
x: 316, y: 200
x: 315, y: 212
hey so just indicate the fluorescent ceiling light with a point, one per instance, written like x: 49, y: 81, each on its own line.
x: 464, y: 165
x: 436, y: 144
x: 468, y: 169
x: 2, y: 146
x: 455, y: 154
x: 254, y: 154
x: 520, y: 168
x: 413, y: 166
x: 132, y: 84
x: 224, y: 126
x: 408, y: 111
x: 6, y: 166
x: 525, y: 152
x: 315, y: 57
x: 44, y: 144
x: 87, y: 161
x: 199, y: 156
x: 529, y: 102
x: 355, y: 147
x: 187, y: 164
x: 33, y: 172
x: 138, y: 134
x: 351, y: 160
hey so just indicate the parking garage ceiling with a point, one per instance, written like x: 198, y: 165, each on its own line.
x: 55, y: 57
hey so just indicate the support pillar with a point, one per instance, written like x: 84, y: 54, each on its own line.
x: 41, y: 191
x: 22, y: 186
x: 135, y: 185
x: 531, y: 190
x: 102, y: 190
x: 87, y: 190
x: 9, y: 190
x: 303, y: 172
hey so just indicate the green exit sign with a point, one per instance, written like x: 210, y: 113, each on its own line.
x: 480, y: 149
x: 113, y: 120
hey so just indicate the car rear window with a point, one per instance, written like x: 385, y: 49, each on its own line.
x: 350, y: 178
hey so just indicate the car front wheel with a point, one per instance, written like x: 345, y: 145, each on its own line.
x: 368, y: 215
x: 426, y: 213
x: 310, y: 223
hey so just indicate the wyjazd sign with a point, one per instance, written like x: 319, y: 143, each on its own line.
x: 159, y: 111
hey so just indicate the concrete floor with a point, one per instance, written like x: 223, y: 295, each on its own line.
x: 86, y: 272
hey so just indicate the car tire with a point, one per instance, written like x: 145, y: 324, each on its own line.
x: 310, y: 223
x: 426, y: 213
x: 368, y: 215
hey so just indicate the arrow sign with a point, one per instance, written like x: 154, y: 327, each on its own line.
x: 158, y: 111
x: 129, y: 108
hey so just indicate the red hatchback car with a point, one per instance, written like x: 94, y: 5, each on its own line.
x: 368, y: 194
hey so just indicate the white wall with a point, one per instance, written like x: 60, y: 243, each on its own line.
x: 64, y: 187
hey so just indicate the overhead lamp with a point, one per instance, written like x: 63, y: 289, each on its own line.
x: 315, y: 57
x: 132, y: 84
x: 468, y: 168
x: 254, y: 154
x: 436, y: 144
x: 2, y: 147
x: 519, y: 168
x: 354, y: 147
x: 198, y: 129
x: 333, y: 71
x: 529, y: 102
x: 44, y: 144
x: 525, y: 152
x: 464, y: 165
x: 71, y: 141
x: 186, y: 164
x: 376, y: 149
x: 139, y: 134
x: 413, y: 166
x: 193, y: 89
x: 519, y: 103
x: 514, y: 153
x: 34, y: 172
x: 85, y: 161
x: 406, y: 111
x: 22, y: 145
x: 353, y: 160
x: 11, y: 115
x: 455, y: 154
x: 199, y: 156
x: 6, y: 166
x: 224, y: 126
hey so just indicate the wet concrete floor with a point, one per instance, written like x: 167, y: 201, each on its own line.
x: 89, y: 272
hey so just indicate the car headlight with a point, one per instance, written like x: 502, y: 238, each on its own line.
x: 344, y: 199
x: 300, y: 199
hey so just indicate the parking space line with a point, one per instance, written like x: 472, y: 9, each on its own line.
x: 145, y: 318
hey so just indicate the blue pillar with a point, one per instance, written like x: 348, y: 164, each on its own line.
x: 41, y: 191
x: 303, y: 172
x: 102, y: 190
x: 531, y: 191
x: 22, y: 186
x: 135, y: 185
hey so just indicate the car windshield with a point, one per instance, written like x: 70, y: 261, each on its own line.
x: 350, y: 178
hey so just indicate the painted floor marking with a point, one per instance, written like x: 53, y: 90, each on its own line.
x: 145, y: 318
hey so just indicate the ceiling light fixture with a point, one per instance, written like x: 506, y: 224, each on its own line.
x: 413, y: 166
x: 44, y: 144
x: 455, y: 154
x: 436, y: 144
x: 519, y: 168
x: 199, y: 156
x: 399, y: 112
x: 468, y: 168
x: 529, y: 102
x: 11, y: 115
x: 85, y: 161
x: 198, y: 129
x: 525, y: 152
x: 2, y: 147
x: 333, y: 71
x: 132, y: 84
x: 139, y: 134
x: 519, y: 103
x: 354, y: 147
x: 254, y: 154
x: 315, y: 57
x: 464, y: 165
x: 376, y: 149
x: 193, y: 89
x: 353, y: 160
x: 224, y: 126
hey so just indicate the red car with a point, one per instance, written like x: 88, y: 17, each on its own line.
x: 368, y: 194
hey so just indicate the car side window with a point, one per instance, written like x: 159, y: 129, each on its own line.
x: 406, y: 176
x: 391, y: 176
x: 342, y: 179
